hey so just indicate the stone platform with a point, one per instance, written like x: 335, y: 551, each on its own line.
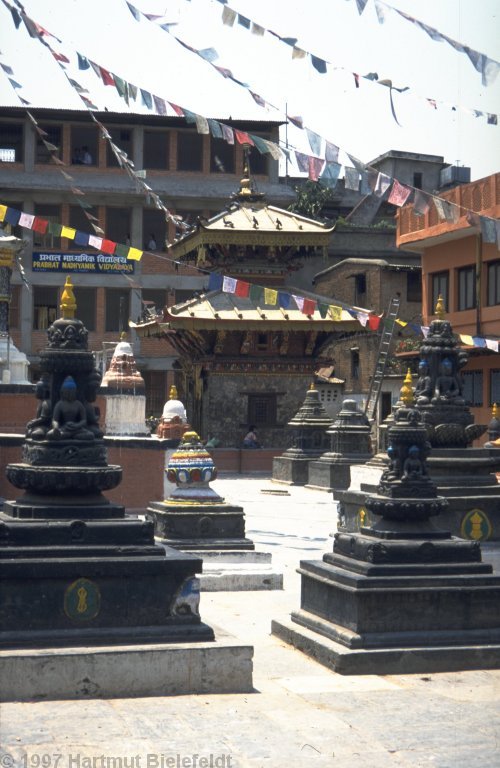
x: 126, y: 671
x: 237, y: 571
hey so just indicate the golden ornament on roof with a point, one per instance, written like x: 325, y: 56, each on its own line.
x: 68, y: 301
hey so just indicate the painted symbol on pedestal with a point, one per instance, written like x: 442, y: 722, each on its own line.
x: 476, y: 525
x: 362, y: 514
x: 82, y: 600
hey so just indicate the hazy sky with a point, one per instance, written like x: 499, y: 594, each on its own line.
x: 357, y: 120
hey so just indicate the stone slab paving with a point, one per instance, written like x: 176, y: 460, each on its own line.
x: 300, y: 714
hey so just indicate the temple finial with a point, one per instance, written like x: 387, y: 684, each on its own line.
x: 406, y: 393
x: 172, y: 395
x: 68, y: 301
x: 440, y: 308
x: 494, y: 411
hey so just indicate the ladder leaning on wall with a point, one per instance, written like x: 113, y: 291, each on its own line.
x: 382, y: 355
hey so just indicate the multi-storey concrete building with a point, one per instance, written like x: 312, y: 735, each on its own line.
x: 194, y: 175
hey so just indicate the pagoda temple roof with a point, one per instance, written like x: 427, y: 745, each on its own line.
x: 251, y: 222
x: 218, y: 310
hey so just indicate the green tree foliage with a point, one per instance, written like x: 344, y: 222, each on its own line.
x: 311, y: 198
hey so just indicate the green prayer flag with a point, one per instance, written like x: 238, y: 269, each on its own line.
x: 256, y: 293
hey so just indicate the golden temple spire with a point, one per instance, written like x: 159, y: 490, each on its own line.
x: 172, y: 395
x: 68, y: 301
x: 440, y: 310
x: 494, y: 411
x: 406, y: 393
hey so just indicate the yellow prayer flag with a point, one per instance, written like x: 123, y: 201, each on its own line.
x: 465, y: 339
x: 270, y: 296
x: 335, y: 313
x: 135, y: 254
x: 401, y: 322
x: 3, y: 211
x: 68, y: 232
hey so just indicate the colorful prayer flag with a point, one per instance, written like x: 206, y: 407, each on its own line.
x: 68, y: 232
x: 335, y: 313
x: 399, y: 194
x: 134, y: 254
x: 270, y: 296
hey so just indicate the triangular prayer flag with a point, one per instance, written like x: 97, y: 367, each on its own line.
x: 314, y: 141
x: 299, y: 300
x: 318, y: 64
x: 382, y: 185
x: 270, y: 296
x: 3, y: 211
x: 178, y: 110
x: 492, y: 344
x: 466, y: 339
x: 323, y: 309
x: 134, y: 254
x: 160, y: 105
x: 242, y: 288
x: 243, y: 21
x: 146, y: 99
x: 135, y: 13
x: 479, y: 342
x: 107, y: 77
x: 228, y: 133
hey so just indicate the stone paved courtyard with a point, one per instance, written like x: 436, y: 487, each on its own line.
x: 300, y: 713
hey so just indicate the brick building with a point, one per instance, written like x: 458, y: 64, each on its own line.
x: 458, y: 264
x: 194, y: 175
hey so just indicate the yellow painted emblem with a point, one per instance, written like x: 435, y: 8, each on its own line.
x: 476, y: 525
x: 362, y: 516
x: 82, y: 600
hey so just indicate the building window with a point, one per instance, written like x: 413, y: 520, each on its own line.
x: 439, y: 284
x: 156, y: 150
x: 45, y: 306
x: 182, y: 295
x: 11, y: 143
x: 84, y: 146
x: 493, y: 283
x: 359, y: 289
x: 117, y: 310
x: 156, y: 391
x: 122, y: 137
x: 86, y: 306
x: 495, y: 386
x: 262, y: 409
x: 15, y: 306
x: 221, y: 156
x: 153, y: 301
x: 51, y: 213
x: 466, y: 288
x: 189, y: 151
x: 118, y: 224
x: 417, y: 180
x: 154, y: 228
x: 258, y: 161
x: 262, y: 342
x: 54, y: 137
x: 414, y: 286
x: 473, y: 387
x: 354, y: 363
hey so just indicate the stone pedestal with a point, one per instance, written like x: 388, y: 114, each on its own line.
x: 197, y: 520
x: 308, y: 437
x: 350, y: 444
x: 402, y: 596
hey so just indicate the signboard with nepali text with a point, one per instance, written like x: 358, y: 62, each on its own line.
x: 81, y: 262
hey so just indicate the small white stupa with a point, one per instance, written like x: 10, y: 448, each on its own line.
x: 125, y: 395
x: 173, y: 423
x: 13, y: 363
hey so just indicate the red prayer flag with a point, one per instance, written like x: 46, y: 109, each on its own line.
x: 108, y: 246
x: 243, y: 138
x: 242, y: 288
x: 399, y: 194
x: 40, y: 225
x: 374, y: 322
x: 107, y: 77
x: 178, y: 110
x: 309, y: 307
